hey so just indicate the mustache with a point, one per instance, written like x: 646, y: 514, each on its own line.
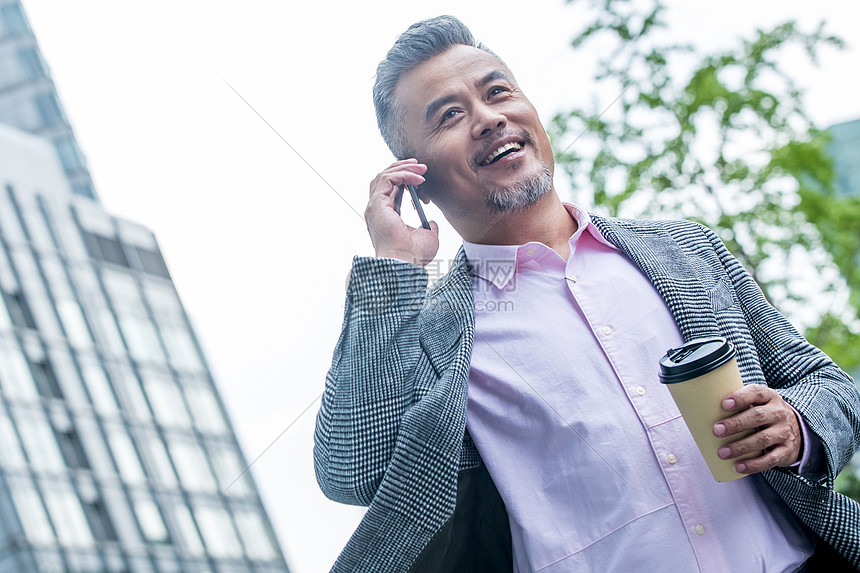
x: 492, y: 144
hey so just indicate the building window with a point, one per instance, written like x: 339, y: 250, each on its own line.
x: 100, y: 523
x: 31, y: 63
x: 108, y: 249
x: 159, y: 462
x: 151, y: 522
x: 50, y: 561
x: 231, y: 472
x: 70, y: 157
x: 69, y: 378
x: 11, y: 454
x: 126, y: 458
x: 31, y: 512
x: 108, y: 333
x: 218, y: 532
x: 49, y: 109
x: 84, y: 189
x: 140, y: 334
x: 181, y: 348
x: 117, y: 504
x: 93, y: 439
x: 52, y: 229
x: 37, y: 230
x: 163, y: 300
x: 192, y: 466
x: 72, y: 450
x: 19, y: 310
x: 74, y: 323
x: 56, y: 276
x: 16, y: 381
x: 131, y: 394
x: 152, y: 262
x: 166, y: 401
x: 5, y: 320
x: 68, y: 517
x: 188, y: 530
x: 99, y: 388
x: 13, y: 19
x: 39, y: 441
x: 45, y: 379
x: 10, y: 224
x: 206, y: 410
x: 255, y: 535
x: 122, y: 290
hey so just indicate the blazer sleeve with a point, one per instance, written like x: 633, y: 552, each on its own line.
x: 806, y: 378
x: 369, y: 385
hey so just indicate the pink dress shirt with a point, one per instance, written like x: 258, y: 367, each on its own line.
x: 589, y: 452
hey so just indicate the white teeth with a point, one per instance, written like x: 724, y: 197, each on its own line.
x: 499, y: 151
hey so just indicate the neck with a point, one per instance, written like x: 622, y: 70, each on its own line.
x: 547, y: 221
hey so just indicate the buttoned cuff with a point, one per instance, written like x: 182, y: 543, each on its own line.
x: 812, y: 459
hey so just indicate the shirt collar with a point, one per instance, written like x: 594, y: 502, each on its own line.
x: 498, y: 263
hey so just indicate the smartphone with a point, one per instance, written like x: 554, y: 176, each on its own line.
x: 417, y: 203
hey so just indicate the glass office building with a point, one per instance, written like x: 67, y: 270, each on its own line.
x: 116, y: 453
x: 845, y: 149
x: 28, y: 99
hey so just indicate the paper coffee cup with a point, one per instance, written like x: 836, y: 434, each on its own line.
x: 699, y: 374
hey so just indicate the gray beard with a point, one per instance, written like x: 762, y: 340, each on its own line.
x: 521, y: 195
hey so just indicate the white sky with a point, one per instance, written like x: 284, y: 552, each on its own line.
x: 258, y: 245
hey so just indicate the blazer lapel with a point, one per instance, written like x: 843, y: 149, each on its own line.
x: 667, y: 266
x: 449, y: 312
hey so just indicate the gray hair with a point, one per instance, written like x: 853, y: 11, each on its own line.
x: 420, y: 42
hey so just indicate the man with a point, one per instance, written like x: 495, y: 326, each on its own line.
x: 539, y: 439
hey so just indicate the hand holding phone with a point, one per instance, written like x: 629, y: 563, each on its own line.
x: 391, y: 236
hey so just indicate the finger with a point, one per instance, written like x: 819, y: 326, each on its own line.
x: 418, y: 168
x: 756, y: 442
x: 403, y: 162
x: 777, y: 457
x: 386, y: 183
x: 747, y: 396
x: 749, y: 419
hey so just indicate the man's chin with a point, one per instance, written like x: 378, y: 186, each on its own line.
x: 520, y: 195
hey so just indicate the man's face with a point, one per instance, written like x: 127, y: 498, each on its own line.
x: 481, y: 139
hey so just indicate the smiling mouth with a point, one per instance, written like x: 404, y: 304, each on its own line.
x: 502, y: 151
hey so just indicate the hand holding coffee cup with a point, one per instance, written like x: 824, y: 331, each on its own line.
x: 699, y: 375
x: 775, y: 425
x: 704, y: 380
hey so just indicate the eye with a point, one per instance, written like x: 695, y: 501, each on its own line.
x: 448, y: 115
x: 496, y: 90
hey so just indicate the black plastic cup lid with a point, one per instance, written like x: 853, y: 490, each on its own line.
x: 695, y: 358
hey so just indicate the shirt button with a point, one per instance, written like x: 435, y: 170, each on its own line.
x: 671, y: 458
x: 606, y: 330
x: 571, y: 278
x: 700, y: 530
x: 530, y: 252
x: 640, y: 390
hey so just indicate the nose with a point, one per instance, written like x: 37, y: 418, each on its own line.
x: 487, y: 120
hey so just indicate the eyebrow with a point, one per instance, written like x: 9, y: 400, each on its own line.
x: 493, y: 76
x: 436, y: 104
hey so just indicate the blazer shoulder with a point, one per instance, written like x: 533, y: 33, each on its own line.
x: 681, y: 230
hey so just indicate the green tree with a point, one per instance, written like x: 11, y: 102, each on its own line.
x: 722, y: 138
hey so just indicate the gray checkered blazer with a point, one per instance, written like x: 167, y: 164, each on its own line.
x: 390, y: 432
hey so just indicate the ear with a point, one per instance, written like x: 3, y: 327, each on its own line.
x: 422, y: 195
